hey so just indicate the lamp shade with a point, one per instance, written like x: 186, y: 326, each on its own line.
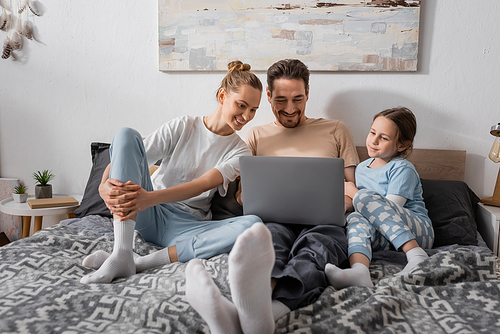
x: 495, y: 151
x: 495, y: 157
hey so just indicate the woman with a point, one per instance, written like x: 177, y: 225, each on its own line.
x: 200, y: 155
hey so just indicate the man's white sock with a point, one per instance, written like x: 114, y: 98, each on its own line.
x: 205, y: 297
x: 250, y: 264
x: 357, y: 275
x: 279, y: 309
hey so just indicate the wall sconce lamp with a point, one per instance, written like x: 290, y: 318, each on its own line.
x: 495, y: 157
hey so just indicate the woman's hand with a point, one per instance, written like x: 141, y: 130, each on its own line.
x: 118, y: 196
x: 141, y: 202
x: 237, y: 195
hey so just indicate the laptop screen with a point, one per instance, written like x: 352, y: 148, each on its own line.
x: 293, y: 190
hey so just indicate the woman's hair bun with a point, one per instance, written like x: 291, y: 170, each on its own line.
x: 238, y: 66
x: 238, y: 74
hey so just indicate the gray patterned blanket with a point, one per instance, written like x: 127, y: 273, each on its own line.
x: 455, y: 291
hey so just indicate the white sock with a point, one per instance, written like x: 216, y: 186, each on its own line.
x: 152, y: 260
x: 414, y: 257
x: 95, y: 260
x: 357, y: 275
x: 250, y: 264
x: 279, y: 309
x: 159, y: 258
x: 205, y: 297
x: 121, y: 262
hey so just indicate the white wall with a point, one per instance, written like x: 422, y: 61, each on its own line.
x: 95, y: 69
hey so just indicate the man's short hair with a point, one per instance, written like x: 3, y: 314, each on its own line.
x: 287, y: 69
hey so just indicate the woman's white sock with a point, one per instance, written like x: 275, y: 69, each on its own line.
x: 152, y: 260
x: 121, y: 261
x: 159, y: 258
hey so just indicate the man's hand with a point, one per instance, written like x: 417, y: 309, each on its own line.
x: 350, y: 190
x: 348, y: 206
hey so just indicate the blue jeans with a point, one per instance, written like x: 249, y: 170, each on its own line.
x: 378, y: 222
x: 165, y: 225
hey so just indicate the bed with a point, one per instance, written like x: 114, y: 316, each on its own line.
x: 457, y: 290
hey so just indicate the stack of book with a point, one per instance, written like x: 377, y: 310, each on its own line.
x: 55, y: 202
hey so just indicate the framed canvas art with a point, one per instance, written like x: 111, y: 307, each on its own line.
x: 335, y: 35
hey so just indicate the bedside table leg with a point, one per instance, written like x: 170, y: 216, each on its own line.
x: 26, y: 226
x: 38, y: 224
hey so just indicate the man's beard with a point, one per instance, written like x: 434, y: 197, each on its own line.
x: 287, y: 123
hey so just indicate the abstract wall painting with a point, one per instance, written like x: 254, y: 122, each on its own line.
x: 334, y: 35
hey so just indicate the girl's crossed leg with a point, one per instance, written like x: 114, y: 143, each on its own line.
x: 377, y: 223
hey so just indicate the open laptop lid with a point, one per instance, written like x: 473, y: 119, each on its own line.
x: 293, y: 190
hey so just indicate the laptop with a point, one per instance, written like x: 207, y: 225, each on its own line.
x: 293, y: 190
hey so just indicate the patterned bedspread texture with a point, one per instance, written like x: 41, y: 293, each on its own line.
x: 455, y: 291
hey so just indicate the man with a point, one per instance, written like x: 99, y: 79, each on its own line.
x: 301, y: 251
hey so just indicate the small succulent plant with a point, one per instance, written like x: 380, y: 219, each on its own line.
x: 20, y: 189
x: 43, y: 178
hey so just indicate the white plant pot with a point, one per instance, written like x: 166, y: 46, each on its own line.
x: 20, y: 198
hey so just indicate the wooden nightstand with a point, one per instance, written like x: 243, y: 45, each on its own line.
x: 10, y: 207
x: 488, y: 221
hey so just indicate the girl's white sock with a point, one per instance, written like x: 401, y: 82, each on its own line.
x: 121, y: 262
x: 357, y: 275
x: 414, y: 257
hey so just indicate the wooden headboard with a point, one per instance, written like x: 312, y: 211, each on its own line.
x: 430, y: 164
x: 433, y: 164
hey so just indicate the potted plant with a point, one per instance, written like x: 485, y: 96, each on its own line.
x: 43, y: 189
x: 20, y: 195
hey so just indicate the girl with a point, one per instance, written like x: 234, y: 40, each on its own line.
x: 200, y: 155
x: 388, y: 202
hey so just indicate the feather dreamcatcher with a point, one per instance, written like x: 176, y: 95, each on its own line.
x: 7, y: 49
x: 30, y: 5
x: 4, y: 20
x: 12, y: 15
